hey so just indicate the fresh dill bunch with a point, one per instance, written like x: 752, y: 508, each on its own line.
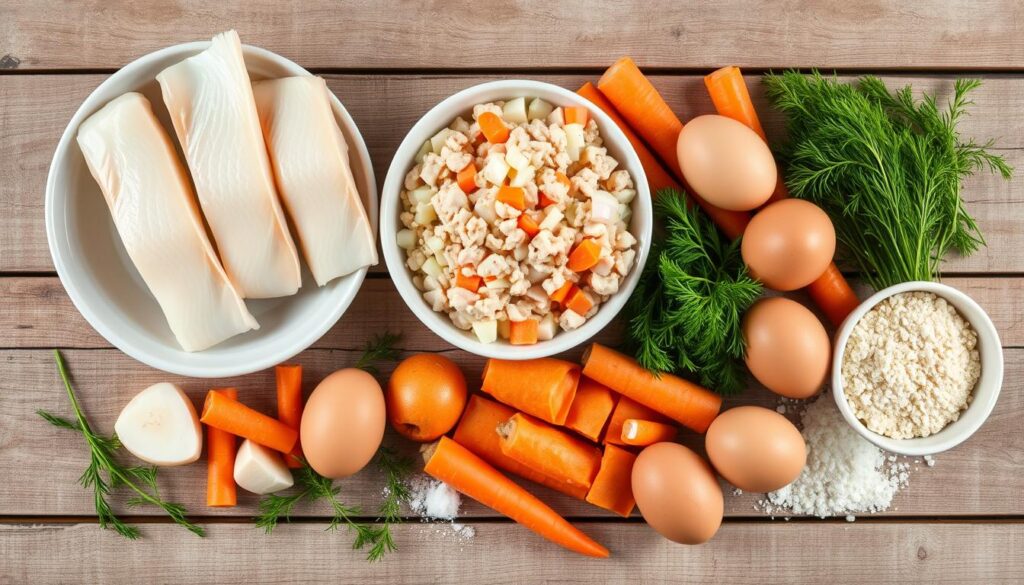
x: 103, y: 461
x: 687, y: 309
x: 381, y: 347
x: 886, y: 167
x: 396, y: 469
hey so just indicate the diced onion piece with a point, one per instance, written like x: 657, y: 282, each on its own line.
x: 504, y: 328
x: 435, y: 297
x: 438, y: 140
x: 574, y: 141
x: 425, y: 214
x: 516, y: 159
x: 604, y: 208
x: 514, y: 111
x: 486, y: 331
x: 498, y: 284
x: 485, y: 210
x: 570, y: 212
x: 435, y: 244
x: 551, y: 218
x: 625, y: 213
x: 524, y: 176
x: 441, y: 259
x: 421, y: 194
x: 557, y: 117
x: 422, y: 152
x: 626, y: 195
x: 406, y: 239
x: 547, y: 328
x: 495, y: 170
x: 539, y: 109
x: 431, y: 267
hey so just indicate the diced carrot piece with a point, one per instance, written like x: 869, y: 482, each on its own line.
x: 563, y: 291
x: 579, y: 302
x: 543, y: 200
x: 585, y: 256
x: 523, y: 332
x: 493, y: 128
x: 576, y: 115
x: 514, y: 196
x: 467, y: 178
x: 563, y: 179
x: 529, y: 225
x: 470, y: 283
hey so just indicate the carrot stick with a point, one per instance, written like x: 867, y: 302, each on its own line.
x: 590, y: 409
x: 289, y: 405
x: 833, y: 295
x: 645, y: 110
x: 551, y: 451
x: 626, y: 409
x: 682, y: 401
x: 477, y: 431
x: 220, y: 462
x: 542, y: 387
x: 232, y: 416
x: 468, y: 474
x: 613, y: 486
x: 640, y: 433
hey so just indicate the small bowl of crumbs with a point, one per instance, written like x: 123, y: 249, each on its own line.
x: 917, y: 368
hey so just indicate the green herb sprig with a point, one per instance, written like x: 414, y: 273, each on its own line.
x: 886, y: 167
x: 141, y: 479
x: 687, y: 310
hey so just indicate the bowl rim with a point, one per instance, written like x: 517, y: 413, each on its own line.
x: 56, y: 237
x: 984, y: 400
x: 440, y: 116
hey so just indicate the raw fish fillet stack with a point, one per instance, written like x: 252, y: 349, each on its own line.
x: 151, y: 201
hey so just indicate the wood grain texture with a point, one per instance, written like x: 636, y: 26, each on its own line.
x: 36, y: 109
x: 364, y: 34
x: 981, y: 477
x: 741, y: 554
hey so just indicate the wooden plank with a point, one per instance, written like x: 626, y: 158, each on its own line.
x: 981, y: 477
x: 741, y: 554
x: 665, y: 33
x: 37, y: 107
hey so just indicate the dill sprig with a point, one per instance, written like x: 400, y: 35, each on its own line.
x: 396, y: 469
x: 687, y: 309
x: 103, y: 461
x: 381, y: 347
x: 886, y: 167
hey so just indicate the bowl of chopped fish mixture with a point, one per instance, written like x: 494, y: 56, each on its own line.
x: 917, y: 368
x: 516, y: 218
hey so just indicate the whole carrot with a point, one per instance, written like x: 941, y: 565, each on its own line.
x: 289, y: 405
x: 222, y: 412
x: 455, y: 465
x: 220, y: 462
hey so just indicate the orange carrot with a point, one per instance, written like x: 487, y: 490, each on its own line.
x: 477, y: 431
x: 640, y: 433
x: 468, y: 474
x: 467, y: 178
x: 643, y: 108
x: 833, y: 295
x: 232, y: 416
x: 550, y: 451
x: 289, y: 405
x: 523, y: 332
x: 579, y: 302
x: 563, y: 179
x: 576, y: 115
x: 586, y: 254
x: 493, y: 129
x: 613, y: 486
x: 528, y: 225
x: 563, y: 291
x: 590, y: 409
x: 682, y: 401
x: 470, y: 283
x: 626, y: 409
x: 513, y: 196
x: 543, y: 200
x: 220, y: 462
x: 543, y: 387
x: 657, y: 177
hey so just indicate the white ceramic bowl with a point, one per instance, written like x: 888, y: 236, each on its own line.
x: 108, y: 291
x: 986, y: 392
x: 440, y: 116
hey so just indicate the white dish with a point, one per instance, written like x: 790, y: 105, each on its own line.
x: 986, y: 392
x: 440, y: 116
x: 108, y: 291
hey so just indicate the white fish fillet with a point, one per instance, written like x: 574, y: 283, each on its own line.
x: 155, y: 212
x: 310, y: 159
x: 210, y: 100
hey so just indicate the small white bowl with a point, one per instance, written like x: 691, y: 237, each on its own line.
x: 986, y: 392
x: 440, y: 116
x: 108, y: 291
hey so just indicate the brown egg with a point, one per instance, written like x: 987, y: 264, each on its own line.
x: 788, y: 349
x: 677, y: 493
x: 343, y: 423
x: 789, y: 244
x: 755, y: 449
x: 726, y: 163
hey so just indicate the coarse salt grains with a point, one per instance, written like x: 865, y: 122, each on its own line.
x: 910, y: 366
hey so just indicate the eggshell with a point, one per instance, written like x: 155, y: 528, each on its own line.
x: 677, y: 493
x: 787, y: 347
x: 755, y: 449
x: 343, y: 423
x: 789, y: 244
x: 726, y: 163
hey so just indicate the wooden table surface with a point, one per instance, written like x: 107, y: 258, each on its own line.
x: 959, y: 521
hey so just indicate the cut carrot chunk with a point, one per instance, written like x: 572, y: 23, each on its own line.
x: 563, y: 291
x: 550, y: 451
x: 586, y: 254
x: 493, y: 128
x: 576, y: 115
x: 467, y: 179
x: 528, y: 225
x: 221, y: 447
x: 563, y: 179
x: 289, y: 405
x: 543, y: 200
x: 640, y: 433
x: 628, y: 409
x: 543, y: 387
x: 590, y: 409
x: 579, y: 302
x: 613, y: 486
x: 523, y: 332
x: 512, y: 196
x: 470, y: 283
